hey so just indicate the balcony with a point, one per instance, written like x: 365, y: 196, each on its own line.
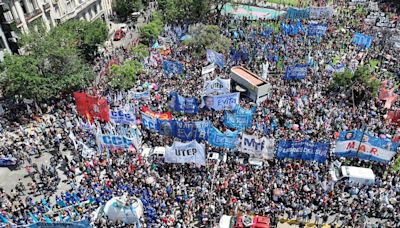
x: 33, y: 15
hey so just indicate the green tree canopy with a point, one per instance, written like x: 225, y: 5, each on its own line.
x: 53, y: 66
x: 152, y: 30
x: 139, y: 51
x: 360, y: 81
x: 124, y: 8
x: 208, y: 37
x: 124, y: 76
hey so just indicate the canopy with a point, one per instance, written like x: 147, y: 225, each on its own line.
x: 121, y: 209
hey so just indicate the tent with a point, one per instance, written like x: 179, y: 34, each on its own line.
x: 122, y: 209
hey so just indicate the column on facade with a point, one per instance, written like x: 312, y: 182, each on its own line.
x: 28, y: 6
x: 21, y: 15
x: 14, y: 12
x: 46, y: 20
x: 35, y: 4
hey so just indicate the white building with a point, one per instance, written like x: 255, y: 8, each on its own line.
x: 18, y: 15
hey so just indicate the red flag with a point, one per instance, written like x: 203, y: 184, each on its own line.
x: 92, y: 107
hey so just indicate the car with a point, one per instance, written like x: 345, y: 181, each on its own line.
x: 217, y: 156
x: 7, y: 161
x: 119, y: 34
x: 156, y: 152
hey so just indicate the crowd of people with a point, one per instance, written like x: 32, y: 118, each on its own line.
x: 188, y: 195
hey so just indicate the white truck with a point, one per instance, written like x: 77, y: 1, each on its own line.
x: 355, y: 175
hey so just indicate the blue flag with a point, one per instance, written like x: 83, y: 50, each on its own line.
x: 215, y: 57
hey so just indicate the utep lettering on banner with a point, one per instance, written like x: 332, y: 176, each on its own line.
x: 362, y: 40
x: 191, y: 152
x: 364, y: 146
x: 181, y: 104
x: 305, y: 150
x: 294, y: 13
x: 121, y: 117
x: 228, y: 139
x: 115, y: 141
x: 218, y: 85
x: 219, y: 102
x: 240, y: 118
x: 297, y: 72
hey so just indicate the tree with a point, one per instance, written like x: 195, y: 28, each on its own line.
x: 219, y: 6
x: 124, y: 8
x: 52, y: 67
x: 125, y: 76
x: 360, y: 83
x: 89, y: 35
x: 139, y: 51
x: 208, y: 37
x: 152, y: 30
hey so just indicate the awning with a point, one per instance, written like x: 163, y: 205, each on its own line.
x: 240, y: 89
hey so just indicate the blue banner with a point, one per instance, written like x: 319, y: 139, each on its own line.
x: 292, y: 29
x: 316, y: 30
x: 219, y: 102
x: 228, y: 139
x: 215, y: 57
x: 362, y: 40
x: 149, y: 122
x: 305, y: 150
x: 121, y: 117
x: 115, y: 141
x: 297, y: 72
x: 166, y: 127
x: 240, y: 118
x: 181, y: 104
x: 171, y: 67
x: 294, y: 13
x: 140, y: 95
x: 78, y: 224
x: 365, y: 146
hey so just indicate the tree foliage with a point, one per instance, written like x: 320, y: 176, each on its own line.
x: 53, y: 66
x: 124, y: 76
x: 88, y: 35
x: 124, y: 8
x: 360, y: 81
x: 152, y: 30
x: 139, y: 51
x: 208, y: 37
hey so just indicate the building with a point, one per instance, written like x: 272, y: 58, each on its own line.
x: 20, y: 15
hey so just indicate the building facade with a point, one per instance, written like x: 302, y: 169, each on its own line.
x: 20, y: 15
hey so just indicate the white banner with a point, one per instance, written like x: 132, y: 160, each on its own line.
x: 191, y: 152
x: 218, y: 85
x: 208, y: 69
x: 259, y: 147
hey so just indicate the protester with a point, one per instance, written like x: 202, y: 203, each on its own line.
x: 188, y: 195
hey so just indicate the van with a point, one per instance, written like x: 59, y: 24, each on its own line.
x: 355, y: 175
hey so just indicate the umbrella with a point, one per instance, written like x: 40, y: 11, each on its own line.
x: 186, y: 37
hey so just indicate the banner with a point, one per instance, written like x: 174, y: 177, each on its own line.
x: 305, y: 150
x: 295, y: 13
x: 258, y: 147
x: 316, y: 30
x: 365, y: 146
x: 121, y: 117
x: 229, y: 139
x: 208, y: 69
x: 150, y: 122
x: 215, y: 57
x: 240, y: 118
x: 115, y: 141
x: 140, y: 95
x: 191, y: 152
x: 78, y: 224
x: 218, y: 85
x: 91, y: 107
x: 297, y: 72
x: 335, y: 69
x: 171, y: 67
x: 292, y: 29
x: 158, y: 115
x: 362, y: 40
x: 181, y: 104
x: 219, y: 102
x: 321, y: 12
